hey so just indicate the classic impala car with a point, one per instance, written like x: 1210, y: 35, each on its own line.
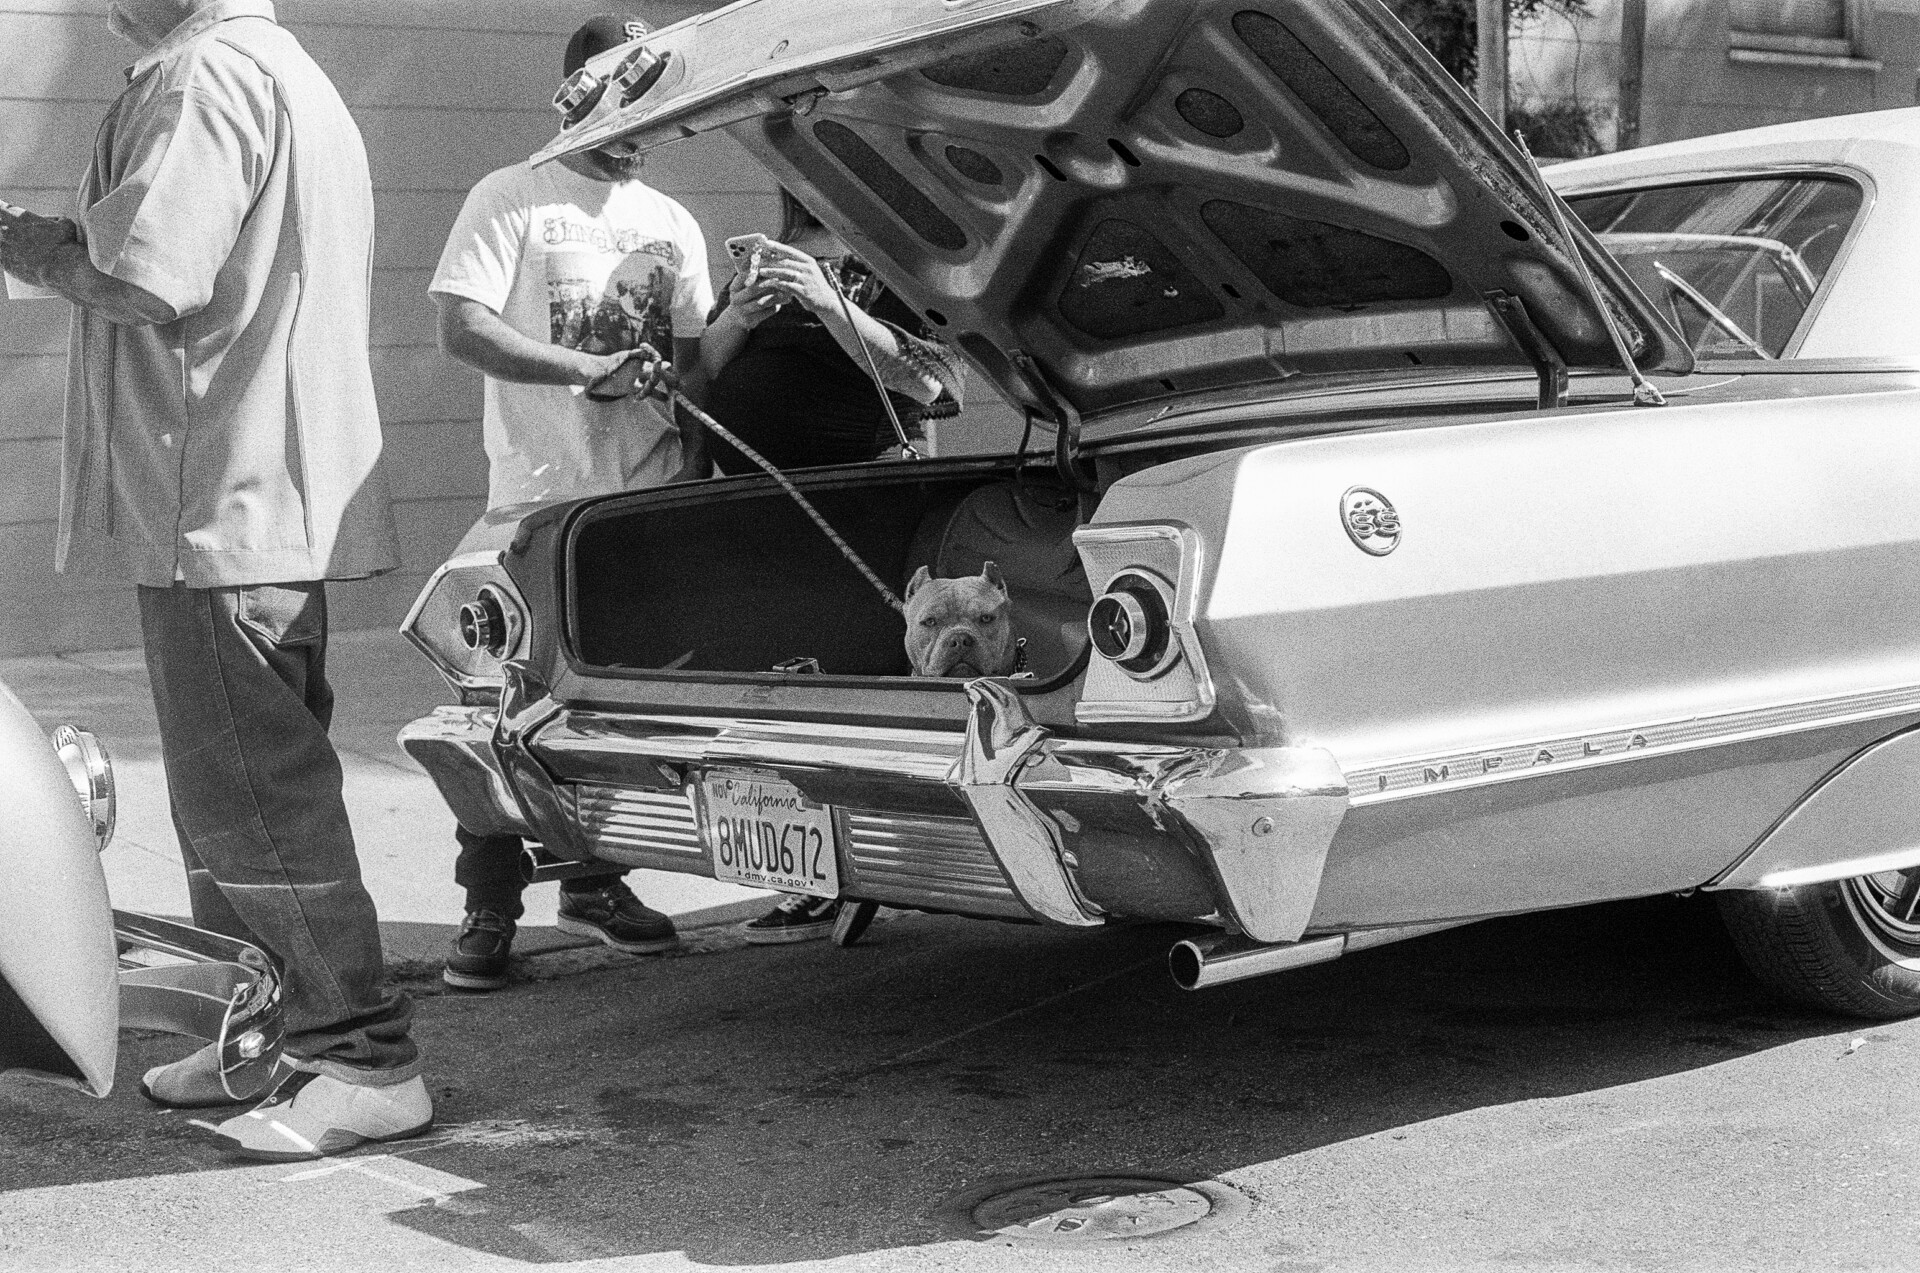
x: 1408, y: 551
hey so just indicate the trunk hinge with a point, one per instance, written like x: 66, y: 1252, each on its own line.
x: 1645, y: 394
x: 1057, y: 411
x: 1546, y: 360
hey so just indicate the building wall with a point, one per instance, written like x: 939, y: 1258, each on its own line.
x: 1697, y: 80
x: 444, y: 92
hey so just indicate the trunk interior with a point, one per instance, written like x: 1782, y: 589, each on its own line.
x: 742, y: 581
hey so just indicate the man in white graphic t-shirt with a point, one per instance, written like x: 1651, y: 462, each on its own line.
x: 551, y: 277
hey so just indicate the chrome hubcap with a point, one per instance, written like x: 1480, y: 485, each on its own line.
x: 1888, y: 903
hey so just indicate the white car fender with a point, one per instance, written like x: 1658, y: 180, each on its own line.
x: 57, y: 958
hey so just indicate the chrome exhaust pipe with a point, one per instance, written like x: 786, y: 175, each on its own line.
x: 537, y: 866
x: 1200, y: 962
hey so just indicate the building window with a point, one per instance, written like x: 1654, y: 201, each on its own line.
x: 1813, y: 32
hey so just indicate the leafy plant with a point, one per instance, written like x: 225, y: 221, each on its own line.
x: 1557, y: 129
x: 1451, y: 31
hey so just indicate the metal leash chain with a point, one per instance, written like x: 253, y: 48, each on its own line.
x: 846, y: 550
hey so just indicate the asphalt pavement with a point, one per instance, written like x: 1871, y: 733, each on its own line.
x: 1602, y: 1088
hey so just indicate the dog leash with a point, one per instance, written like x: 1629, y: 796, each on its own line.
x: 728, y: 436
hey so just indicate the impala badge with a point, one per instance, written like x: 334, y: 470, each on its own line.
x: 1370, y: 521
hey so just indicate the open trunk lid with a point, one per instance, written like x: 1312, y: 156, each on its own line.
x: 1117, y: 204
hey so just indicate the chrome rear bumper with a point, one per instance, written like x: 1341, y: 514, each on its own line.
x: 1007, y: 820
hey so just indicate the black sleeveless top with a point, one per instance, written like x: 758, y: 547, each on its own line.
x: 794, y: 395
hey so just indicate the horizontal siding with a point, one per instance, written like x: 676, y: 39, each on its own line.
x: 33, y: 389
x: 419, y: 383
x: 434, y: 460
x: 403, y: 313
x: 431, y: 528
x: 29, y: 481
x: 410, y: 227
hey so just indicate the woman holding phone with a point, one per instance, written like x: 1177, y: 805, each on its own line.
x: 785, y: 359
x: 787, y: 353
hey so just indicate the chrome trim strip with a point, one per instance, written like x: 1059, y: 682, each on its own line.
x: 1455, y: 771
x: 923, y: 860
x: 1896, y: 860
x: 713, y: 740
x: 637, y: 818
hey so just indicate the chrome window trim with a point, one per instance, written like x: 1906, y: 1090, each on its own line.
x: 1861, y: 179
x: 1441, y: 773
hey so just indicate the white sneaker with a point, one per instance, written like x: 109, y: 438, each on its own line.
x: 314, y: 1115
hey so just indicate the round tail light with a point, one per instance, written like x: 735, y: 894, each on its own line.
x: 489, y: 624
x: 1131, y: 625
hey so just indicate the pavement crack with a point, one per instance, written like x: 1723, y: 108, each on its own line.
x: 854, y: 1075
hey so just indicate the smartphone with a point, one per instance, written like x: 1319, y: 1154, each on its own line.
x: 745, y: 251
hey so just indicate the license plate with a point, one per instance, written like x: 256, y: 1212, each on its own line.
x: 761, y: 831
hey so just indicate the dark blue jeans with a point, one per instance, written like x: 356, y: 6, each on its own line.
x: 240, y: 685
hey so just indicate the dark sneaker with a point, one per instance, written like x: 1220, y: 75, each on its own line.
x: 615, y: 916
x: 478, y: 960
x: 797, y: 918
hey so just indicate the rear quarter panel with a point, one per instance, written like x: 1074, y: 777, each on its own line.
x: 1734, y: 585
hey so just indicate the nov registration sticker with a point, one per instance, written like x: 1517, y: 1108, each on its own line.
x: 761, y: 831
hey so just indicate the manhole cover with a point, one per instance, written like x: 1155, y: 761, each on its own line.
x: 1093, y: 1209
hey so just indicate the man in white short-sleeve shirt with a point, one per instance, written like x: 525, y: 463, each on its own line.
x: 551, y: 277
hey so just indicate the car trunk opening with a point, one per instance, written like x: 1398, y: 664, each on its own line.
x: 742, y: 581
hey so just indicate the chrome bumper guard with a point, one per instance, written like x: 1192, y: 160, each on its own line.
x: 1259, y: 820
x: 185, y: 980
x: 455, y: 745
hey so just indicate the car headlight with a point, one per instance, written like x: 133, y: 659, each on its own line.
x: 91, y: 771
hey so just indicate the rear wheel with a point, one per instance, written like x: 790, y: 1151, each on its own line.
x: 1850, y: 946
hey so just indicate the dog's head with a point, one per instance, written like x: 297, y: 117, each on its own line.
x: 959, y: 627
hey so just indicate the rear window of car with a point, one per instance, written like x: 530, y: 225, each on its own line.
x: 1735, y: 264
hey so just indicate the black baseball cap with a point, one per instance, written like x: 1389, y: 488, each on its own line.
x: 598, y: 34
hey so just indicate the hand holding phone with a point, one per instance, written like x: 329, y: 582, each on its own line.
x: 745, y: 250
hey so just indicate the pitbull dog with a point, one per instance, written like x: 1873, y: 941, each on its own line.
x: 959, y: 627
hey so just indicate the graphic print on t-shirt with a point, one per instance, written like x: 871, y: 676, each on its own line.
x: 598, y: 312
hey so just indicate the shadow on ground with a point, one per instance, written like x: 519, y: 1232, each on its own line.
x: 758, y: 1106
